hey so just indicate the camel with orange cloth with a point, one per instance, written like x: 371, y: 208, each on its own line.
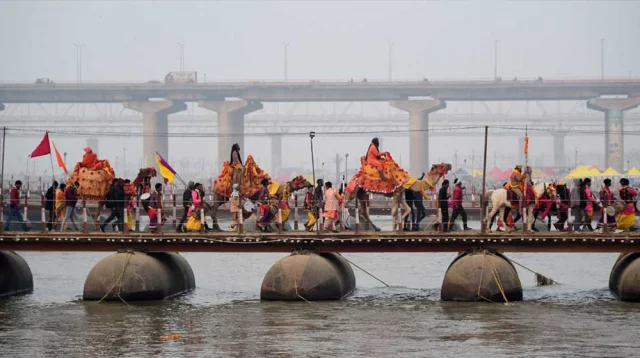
x: 250, y: 187
x: 380, y: 174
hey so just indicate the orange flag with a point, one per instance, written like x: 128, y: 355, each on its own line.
x: 60, y: 160
x: 526, y: 145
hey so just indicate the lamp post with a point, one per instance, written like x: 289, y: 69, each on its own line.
x: 285, y: 46
x: 602, y: 59
x: 390, y: 61
x: 346, y: 172
x: 181, y: 45
x: 79, y: 48
x: 495, y: 59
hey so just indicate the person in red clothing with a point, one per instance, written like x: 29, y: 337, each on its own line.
x: 456, y: 201
x: 545, y: 203
x: 14, y: 207
x: 606, y: 198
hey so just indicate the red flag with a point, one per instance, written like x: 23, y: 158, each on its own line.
x: 43, y: 148
x: 60, y: 161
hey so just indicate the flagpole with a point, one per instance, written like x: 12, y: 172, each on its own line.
x: 4, y: 139
x: 526, y: 178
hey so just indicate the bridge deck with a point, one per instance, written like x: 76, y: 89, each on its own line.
x: 342, y: 242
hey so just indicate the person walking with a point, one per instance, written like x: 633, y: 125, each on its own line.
x: 331, y: 207
x: 308, y: 207
x: 155, y: 204
x: 458, y: 209
x: 50, y: 204
x: 186, y: 204
x: 60, y: 204
x: 318, y: 196
x: 443, y: 204
x: 590, y: 203
x: 234, y: 207
x: 627, y: 217
x: 70, y: 201
x: 577, y: 205
x: 117, y: 197
x: 14, y: 207
x: 421, y: 212
x: 606, y: 198
x: 563, y: 204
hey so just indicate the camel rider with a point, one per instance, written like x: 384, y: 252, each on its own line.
x: 236, y: 164
x: 375, y: 158
x: 516, y: 183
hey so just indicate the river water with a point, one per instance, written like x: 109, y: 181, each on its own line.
x: 224, y: 317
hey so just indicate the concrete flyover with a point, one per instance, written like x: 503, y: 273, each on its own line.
x: 316, y: 91
x: 250, y: 96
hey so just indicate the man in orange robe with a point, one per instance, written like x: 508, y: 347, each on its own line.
x: 375, y: 158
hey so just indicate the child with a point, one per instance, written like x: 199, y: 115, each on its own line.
x: 235, y: 208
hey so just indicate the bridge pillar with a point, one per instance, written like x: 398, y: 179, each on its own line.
x: 155, y: 116
x: 276, y: 155
x: 1, y: 106
x: 230, y: 123
x: 419, y: 130
x: 613, y: 109
x: 558, y: 149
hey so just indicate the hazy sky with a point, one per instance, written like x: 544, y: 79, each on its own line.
x: 243, y: 40
x: 327, y: 40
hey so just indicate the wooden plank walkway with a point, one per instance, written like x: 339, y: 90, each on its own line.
x: 342, y: 242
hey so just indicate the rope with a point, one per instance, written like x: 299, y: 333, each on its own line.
x: 541, y: 280
x: 119, y: 281
x: 295, y: 284
x: 498, y: 282
x: 363, y: 270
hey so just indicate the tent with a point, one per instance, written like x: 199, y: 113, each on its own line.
x: 633, y: 172
x: 495, y: 174
x: 476, y: 173
x: 583, y: 171
x: 537, y: 173
x: 610, y: 172
x: 550, y: 172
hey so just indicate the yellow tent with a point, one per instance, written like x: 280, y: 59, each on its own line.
x: 610, y: 172
x: 593, y: 172
x: 476, y: 173
x: 633, y: 172
x: 580, y: 171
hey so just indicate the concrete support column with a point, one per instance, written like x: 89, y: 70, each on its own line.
x: 155, y: 116
x: 276, y: 155
x: 558, y: 149
x: 230, y: 123
x: 1, y: 106
x: 613, y: 109
x: 419, y: 130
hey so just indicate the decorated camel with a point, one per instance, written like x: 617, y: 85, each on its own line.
x: 250, y: 188
x: 370, y: 180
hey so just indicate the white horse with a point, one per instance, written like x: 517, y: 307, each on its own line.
x: 499, y: 202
